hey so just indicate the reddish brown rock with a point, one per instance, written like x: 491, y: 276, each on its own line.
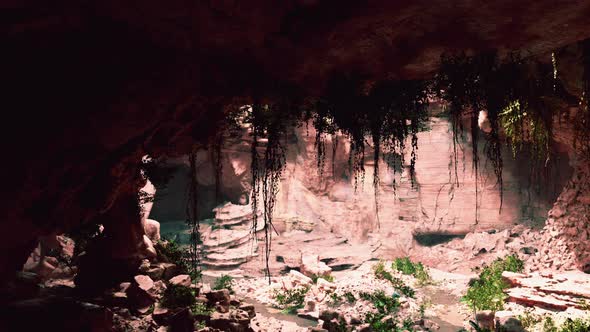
x: 152, y: 230
x: 181, y: 280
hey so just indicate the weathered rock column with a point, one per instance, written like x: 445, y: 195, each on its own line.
x: 566, y: 235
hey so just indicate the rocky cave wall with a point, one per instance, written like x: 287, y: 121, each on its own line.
x: 439, y: 203
x: 93, y: 87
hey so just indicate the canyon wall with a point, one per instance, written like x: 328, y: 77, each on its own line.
x: 440, y: 202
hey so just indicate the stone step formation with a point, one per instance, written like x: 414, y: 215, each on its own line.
x: 229, y: 242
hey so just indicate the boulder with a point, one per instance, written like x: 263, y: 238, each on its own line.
x: 144, y: 266
x: 312, y: 266
x: 170, y: 270
x: 148, y: 248
x: 325, y: 285
x: 299, y: 278
x: 161, y: 314
x: 152, y: 230
x: 155, y: 272
x: 221, y: 296
x: 485, y: 319
x: 248, y: 308
x: 235, y: 321
x: 143, y: 292
x: 507, y: 321
x: 181, y: 280
x: 310, y: 311
x: 181, y: 320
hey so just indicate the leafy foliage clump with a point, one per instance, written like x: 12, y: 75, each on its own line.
x: 384, y: 319
x: 487, y: 292
x: 575, y: 325
x: 200, y: 309
x: 178, y: 296
x: 290, y: 299
x: 224, y: 282
x: 406, y: 266
x: 173, y: 253
x: 549, y: 325
x: 398, y: 284
x: 529, y: 319
x: 349, y: 297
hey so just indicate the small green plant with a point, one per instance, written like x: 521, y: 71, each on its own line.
x: 422, y: 310
x: 178, y: 296
x: 549, y: 325
x: 404, y: 289
x: 404, y: 265
x: 200, y: 325
x: 398, y: 284
x: 200, y: 309
x: 381, y: 273
x: 173, y: 253
x: 575, y: 325
x: 290, y: 299
x: 407, y: 267
x: 382, y: 302
x: 584, y: 305
x: 487, y: 292
x: 335, y: 298
x: 224, y: 282
x: 384, y: 319
x: 350, y: 297
x: 529, y: 319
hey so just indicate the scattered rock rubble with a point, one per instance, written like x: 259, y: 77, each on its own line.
x: 321, y: 306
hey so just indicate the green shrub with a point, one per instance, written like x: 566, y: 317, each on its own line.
x: 383, y: 303
x: 335, y: 298
x: 224, y: 282
x: 381, y: 273
x: 575, y: 325
x: 529, y: 320
x: 404, y: 265
x: 407, y: 267
x: 173, y: 253
x: 384, y: 319
x: 350, y: 297
x: 549, y: 325
x: 200, y: 309
x: 178, y: 296
x: 487, y: 292
x: 398, y: 284
x: 290, y: 299
x: 200, y: 325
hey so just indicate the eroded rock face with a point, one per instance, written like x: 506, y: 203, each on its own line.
x: 326, y: 203
x: 567, y: 232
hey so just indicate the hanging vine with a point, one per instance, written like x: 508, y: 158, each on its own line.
x: 215, y: 149
x: 388, y: 115
x: 193, y: 220
x: 269, y: 124
x: 582, y: 123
